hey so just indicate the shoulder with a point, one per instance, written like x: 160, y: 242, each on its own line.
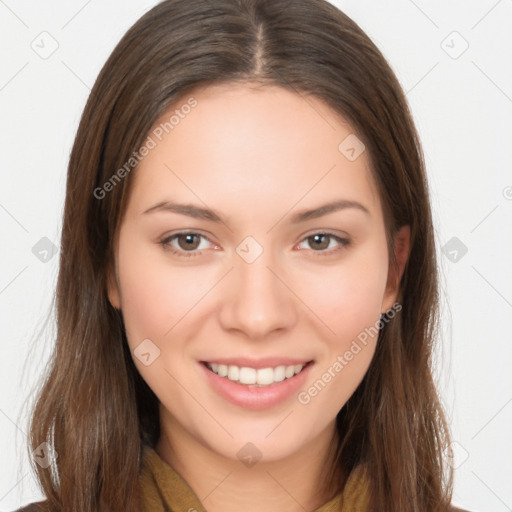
x: 40, y: 506
x: 456, y: 509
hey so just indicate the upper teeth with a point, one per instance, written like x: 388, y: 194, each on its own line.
x: 261, y: 376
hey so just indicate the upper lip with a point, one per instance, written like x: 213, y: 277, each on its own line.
x: 265, y: 362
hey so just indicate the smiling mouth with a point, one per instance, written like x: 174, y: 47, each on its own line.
x: 256, y: 377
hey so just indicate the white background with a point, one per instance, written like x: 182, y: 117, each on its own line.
x: 463, y: 110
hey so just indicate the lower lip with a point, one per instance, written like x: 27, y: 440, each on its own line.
x: 256, y: 397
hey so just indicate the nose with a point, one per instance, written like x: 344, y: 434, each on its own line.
x: 258, y: 298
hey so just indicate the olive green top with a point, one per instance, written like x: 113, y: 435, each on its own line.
x: 164, y: 490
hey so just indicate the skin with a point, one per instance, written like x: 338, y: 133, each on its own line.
x: 256, y: 156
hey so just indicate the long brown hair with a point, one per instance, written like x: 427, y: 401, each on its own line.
x: 94, y: 409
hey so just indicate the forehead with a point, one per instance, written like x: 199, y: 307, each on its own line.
x: 257, y: 144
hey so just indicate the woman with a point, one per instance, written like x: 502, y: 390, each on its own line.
x: 247, y: 296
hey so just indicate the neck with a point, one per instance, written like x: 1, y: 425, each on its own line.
x: 295, y: 483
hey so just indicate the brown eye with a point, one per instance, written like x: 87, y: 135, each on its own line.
x: 319, y: 241
x: 187, y: 242
x: 322, y: 244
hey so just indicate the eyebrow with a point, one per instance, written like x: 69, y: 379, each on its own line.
x: 198, y: 212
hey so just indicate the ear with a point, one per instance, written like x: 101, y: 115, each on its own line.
x: 113, y: 293
x: 402, y: 246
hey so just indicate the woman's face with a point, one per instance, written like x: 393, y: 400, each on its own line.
x: 251, y: 290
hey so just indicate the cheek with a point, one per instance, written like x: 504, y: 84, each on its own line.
x: 348, y: 298
x: 351, y: 306
x: 155, y: 295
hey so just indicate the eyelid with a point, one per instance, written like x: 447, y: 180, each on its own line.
x: 326, y: 231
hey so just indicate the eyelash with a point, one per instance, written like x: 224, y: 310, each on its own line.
x: 344, y: 242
